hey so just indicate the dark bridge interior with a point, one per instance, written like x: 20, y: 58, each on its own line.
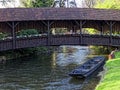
x: 48, y: 20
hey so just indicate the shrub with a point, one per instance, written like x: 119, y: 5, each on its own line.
x: 2, y: 35
x: 27, y: 32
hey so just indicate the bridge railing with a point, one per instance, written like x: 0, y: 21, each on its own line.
x: 69, y: 39
x: 31, y: 41
x: 6, y: 44
x: 95, y: 39
x: 116, y: 40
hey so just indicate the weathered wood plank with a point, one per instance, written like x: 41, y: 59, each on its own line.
x: 57, y: 40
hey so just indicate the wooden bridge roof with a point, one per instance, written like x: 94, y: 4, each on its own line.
x: 28, y: 14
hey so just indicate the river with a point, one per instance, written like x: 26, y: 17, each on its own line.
x: 47, y: 71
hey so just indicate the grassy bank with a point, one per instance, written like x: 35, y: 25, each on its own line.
x: 111, y: 80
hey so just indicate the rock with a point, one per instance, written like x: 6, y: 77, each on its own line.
x: 2, y: 59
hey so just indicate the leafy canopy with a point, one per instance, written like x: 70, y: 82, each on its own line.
x: 37, y: 3
x: 108, y: 4
x: 42, y: 3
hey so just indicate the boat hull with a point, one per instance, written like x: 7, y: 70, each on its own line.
x: 88, y: 68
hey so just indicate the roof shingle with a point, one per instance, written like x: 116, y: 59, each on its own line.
x: 27, y: 14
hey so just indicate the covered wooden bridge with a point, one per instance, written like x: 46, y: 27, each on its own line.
x: 74, y: 20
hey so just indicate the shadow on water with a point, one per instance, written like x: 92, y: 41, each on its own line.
x: 46, y: 72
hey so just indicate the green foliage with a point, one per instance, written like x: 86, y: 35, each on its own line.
x: 117, y: 54
x: 33, y: 50
x: 107, y: 4
x: 27, y: 3
x: 27, y: 32
x: 100, y: 49
x: 112, y: 75
x: 2, y: 35
x: 27, y: 51
x: 37, y: 3
x: 90, y: 31
x: 42, y: 3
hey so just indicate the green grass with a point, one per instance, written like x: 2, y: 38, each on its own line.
x: 111, y: 80
x: 117, y: 54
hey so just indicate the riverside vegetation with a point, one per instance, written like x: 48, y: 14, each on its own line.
x: 111, y: 80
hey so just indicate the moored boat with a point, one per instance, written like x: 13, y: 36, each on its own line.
x: 88, y: 67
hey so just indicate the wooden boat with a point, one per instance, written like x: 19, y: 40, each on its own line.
x: 88, y: 67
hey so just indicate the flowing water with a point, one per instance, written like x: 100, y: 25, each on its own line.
x: 47, y: 71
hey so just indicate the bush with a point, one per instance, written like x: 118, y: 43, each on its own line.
x: 100, y: 50
x: 2, y: 35
x: 27, y: 32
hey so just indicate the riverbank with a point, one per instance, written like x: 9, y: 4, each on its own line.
x: 111, y: 80
x: 13, y: 54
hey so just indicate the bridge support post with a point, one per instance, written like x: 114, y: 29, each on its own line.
x: 48, y: 25
x: 13, y: 35
x: 80, y: 32
x: 12, y: 26
x: 110, y: 24
x: 80, y: 24
x: 101, y: 28
x: 111, y: 30
x: 48, y: 32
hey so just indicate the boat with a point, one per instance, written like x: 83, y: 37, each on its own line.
x: 88, y: 67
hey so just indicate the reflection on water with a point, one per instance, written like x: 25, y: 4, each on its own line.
x: 45, y: 72
x: 72, y: 55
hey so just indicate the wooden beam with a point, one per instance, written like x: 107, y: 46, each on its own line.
x: 101, y: 28
x: 48, y: 25
x: 111, y: 30
x: 48, y: 32
x: 12, y: 25
x: 80, y: 25
x: 110, y: 24
x: 13, y: 35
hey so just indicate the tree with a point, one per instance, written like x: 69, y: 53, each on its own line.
x: 27, y: 3
x: 64, y: 3
x: 7, y: 3
x: 59, y: 3
x: 90, y: 3
x: 113, y: 4
x: 73, y: 4
x: 42, y: 3
x: 37, y: 3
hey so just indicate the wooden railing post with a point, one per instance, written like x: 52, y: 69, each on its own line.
x: 111, y: 32
x: 13, y: 35
x: 48, y: 32
x: 101, y: 28
x: 12, y: 26
x: 80, y: 32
